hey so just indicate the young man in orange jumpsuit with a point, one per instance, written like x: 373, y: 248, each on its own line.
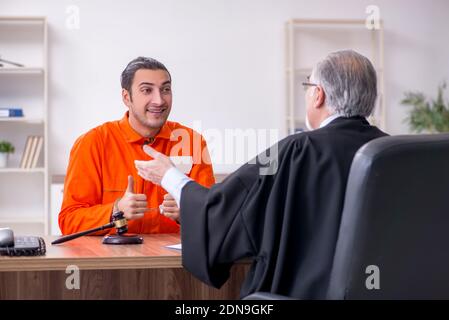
x: 101, y: 176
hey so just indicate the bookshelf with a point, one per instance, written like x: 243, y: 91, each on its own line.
x: 308, y: 41
x: 23, y: 70
x: 21, y: 170
x: 24, y: 191
x: 23, y: 119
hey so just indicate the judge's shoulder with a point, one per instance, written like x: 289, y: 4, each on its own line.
x: 303, y: 134
x: 343, y: 125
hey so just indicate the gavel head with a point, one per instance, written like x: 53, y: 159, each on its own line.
x: 120, y: 222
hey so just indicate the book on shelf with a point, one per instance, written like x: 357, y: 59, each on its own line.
x: 37, y: 152
x: 26, y: 152
x: 31, y: 152
x: 11, y: 112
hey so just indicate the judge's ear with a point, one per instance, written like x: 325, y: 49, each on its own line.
x: 319, y: 97
x: 126, y: 97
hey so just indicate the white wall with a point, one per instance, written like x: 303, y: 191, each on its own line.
x: 226, y: 57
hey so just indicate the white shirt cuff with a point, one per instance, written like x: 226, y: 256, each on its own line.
x: 173, y: 181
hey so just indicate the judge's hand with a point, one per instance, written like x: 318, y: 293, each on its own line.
x: 131, y: 204
x: 153, y: 170
x: 169, y: 208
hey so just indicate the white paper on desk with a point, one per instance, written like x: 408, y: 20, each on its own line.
x: 175, y: 246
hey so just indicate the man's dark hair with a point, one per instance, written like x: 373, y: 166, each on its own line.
x: 139, y: 63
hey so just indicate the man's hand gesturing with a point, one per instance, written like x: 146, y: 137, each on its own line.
x: 131, y: 204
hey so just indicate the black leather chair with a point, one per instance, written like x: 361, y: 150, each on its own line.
x: 394, y: 235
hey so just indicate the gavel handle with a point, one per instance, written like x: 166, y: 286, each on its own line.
x: 82, y: 233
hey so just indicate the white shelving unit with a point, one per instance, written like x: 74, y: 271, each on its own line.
x: 24, y: 192
x: 308, y: 41
x: 22, y: 70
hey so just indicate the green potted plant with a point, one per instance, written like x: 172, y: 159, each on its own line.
x: 5, y: 149
x: 427, y: 116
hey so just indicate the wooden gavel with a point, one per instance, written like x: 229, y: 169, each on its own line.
x: 118, y: 222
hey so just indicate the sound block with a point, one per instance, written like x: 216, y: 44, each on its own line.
x: 122, y: 239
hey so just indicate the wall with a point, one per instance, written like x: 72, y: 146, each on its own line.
x: 226, y: 58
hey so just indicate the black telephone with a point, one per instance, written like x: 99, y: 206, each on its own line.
x: 20, y: 246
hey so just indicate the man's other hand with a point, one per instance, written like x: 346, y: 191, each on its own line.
x: 169, y: 208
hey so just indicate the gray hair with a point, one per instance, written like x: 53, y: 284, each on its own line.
x: 349, y: 82
x: 139, y: 63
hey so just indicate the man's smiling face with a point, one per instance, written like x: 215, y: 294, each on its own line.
x: 150, y: 99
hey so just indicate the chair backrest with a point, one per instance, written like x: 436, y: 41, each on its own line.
x: 393, y: 241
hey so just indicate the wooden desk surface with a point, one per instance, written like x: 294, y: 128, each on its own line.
x: 146, y: 271
x: 89, y: 253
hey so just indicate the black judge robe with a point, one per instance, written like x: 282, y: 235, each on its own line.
x: 288, y: 222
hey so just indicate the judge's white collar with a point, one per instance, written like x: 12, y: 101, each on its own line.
x: 329, y: 120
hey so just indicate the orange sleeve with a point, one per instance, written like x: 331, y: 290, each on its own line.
x: 202, y: 171
x: 81, y: 207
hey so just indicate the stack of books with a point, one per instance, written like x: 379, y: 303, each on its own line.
x: 31, y: 152
x: 11, y: 112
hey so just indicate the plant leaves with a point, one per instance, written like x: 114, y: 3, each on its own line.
x: 425, y: 116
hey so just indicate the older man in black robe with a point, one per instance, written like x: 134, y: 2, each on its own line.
x: 285, y: 214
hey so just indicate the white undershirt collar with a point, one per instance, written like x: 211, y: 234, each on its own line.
x: 329, y: 120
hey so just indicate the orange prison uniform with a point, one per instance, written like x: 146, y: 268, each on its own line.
x: 102, y: 159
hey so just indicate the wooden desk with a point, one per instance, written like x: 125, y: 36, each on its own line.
x: 146, y: 271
